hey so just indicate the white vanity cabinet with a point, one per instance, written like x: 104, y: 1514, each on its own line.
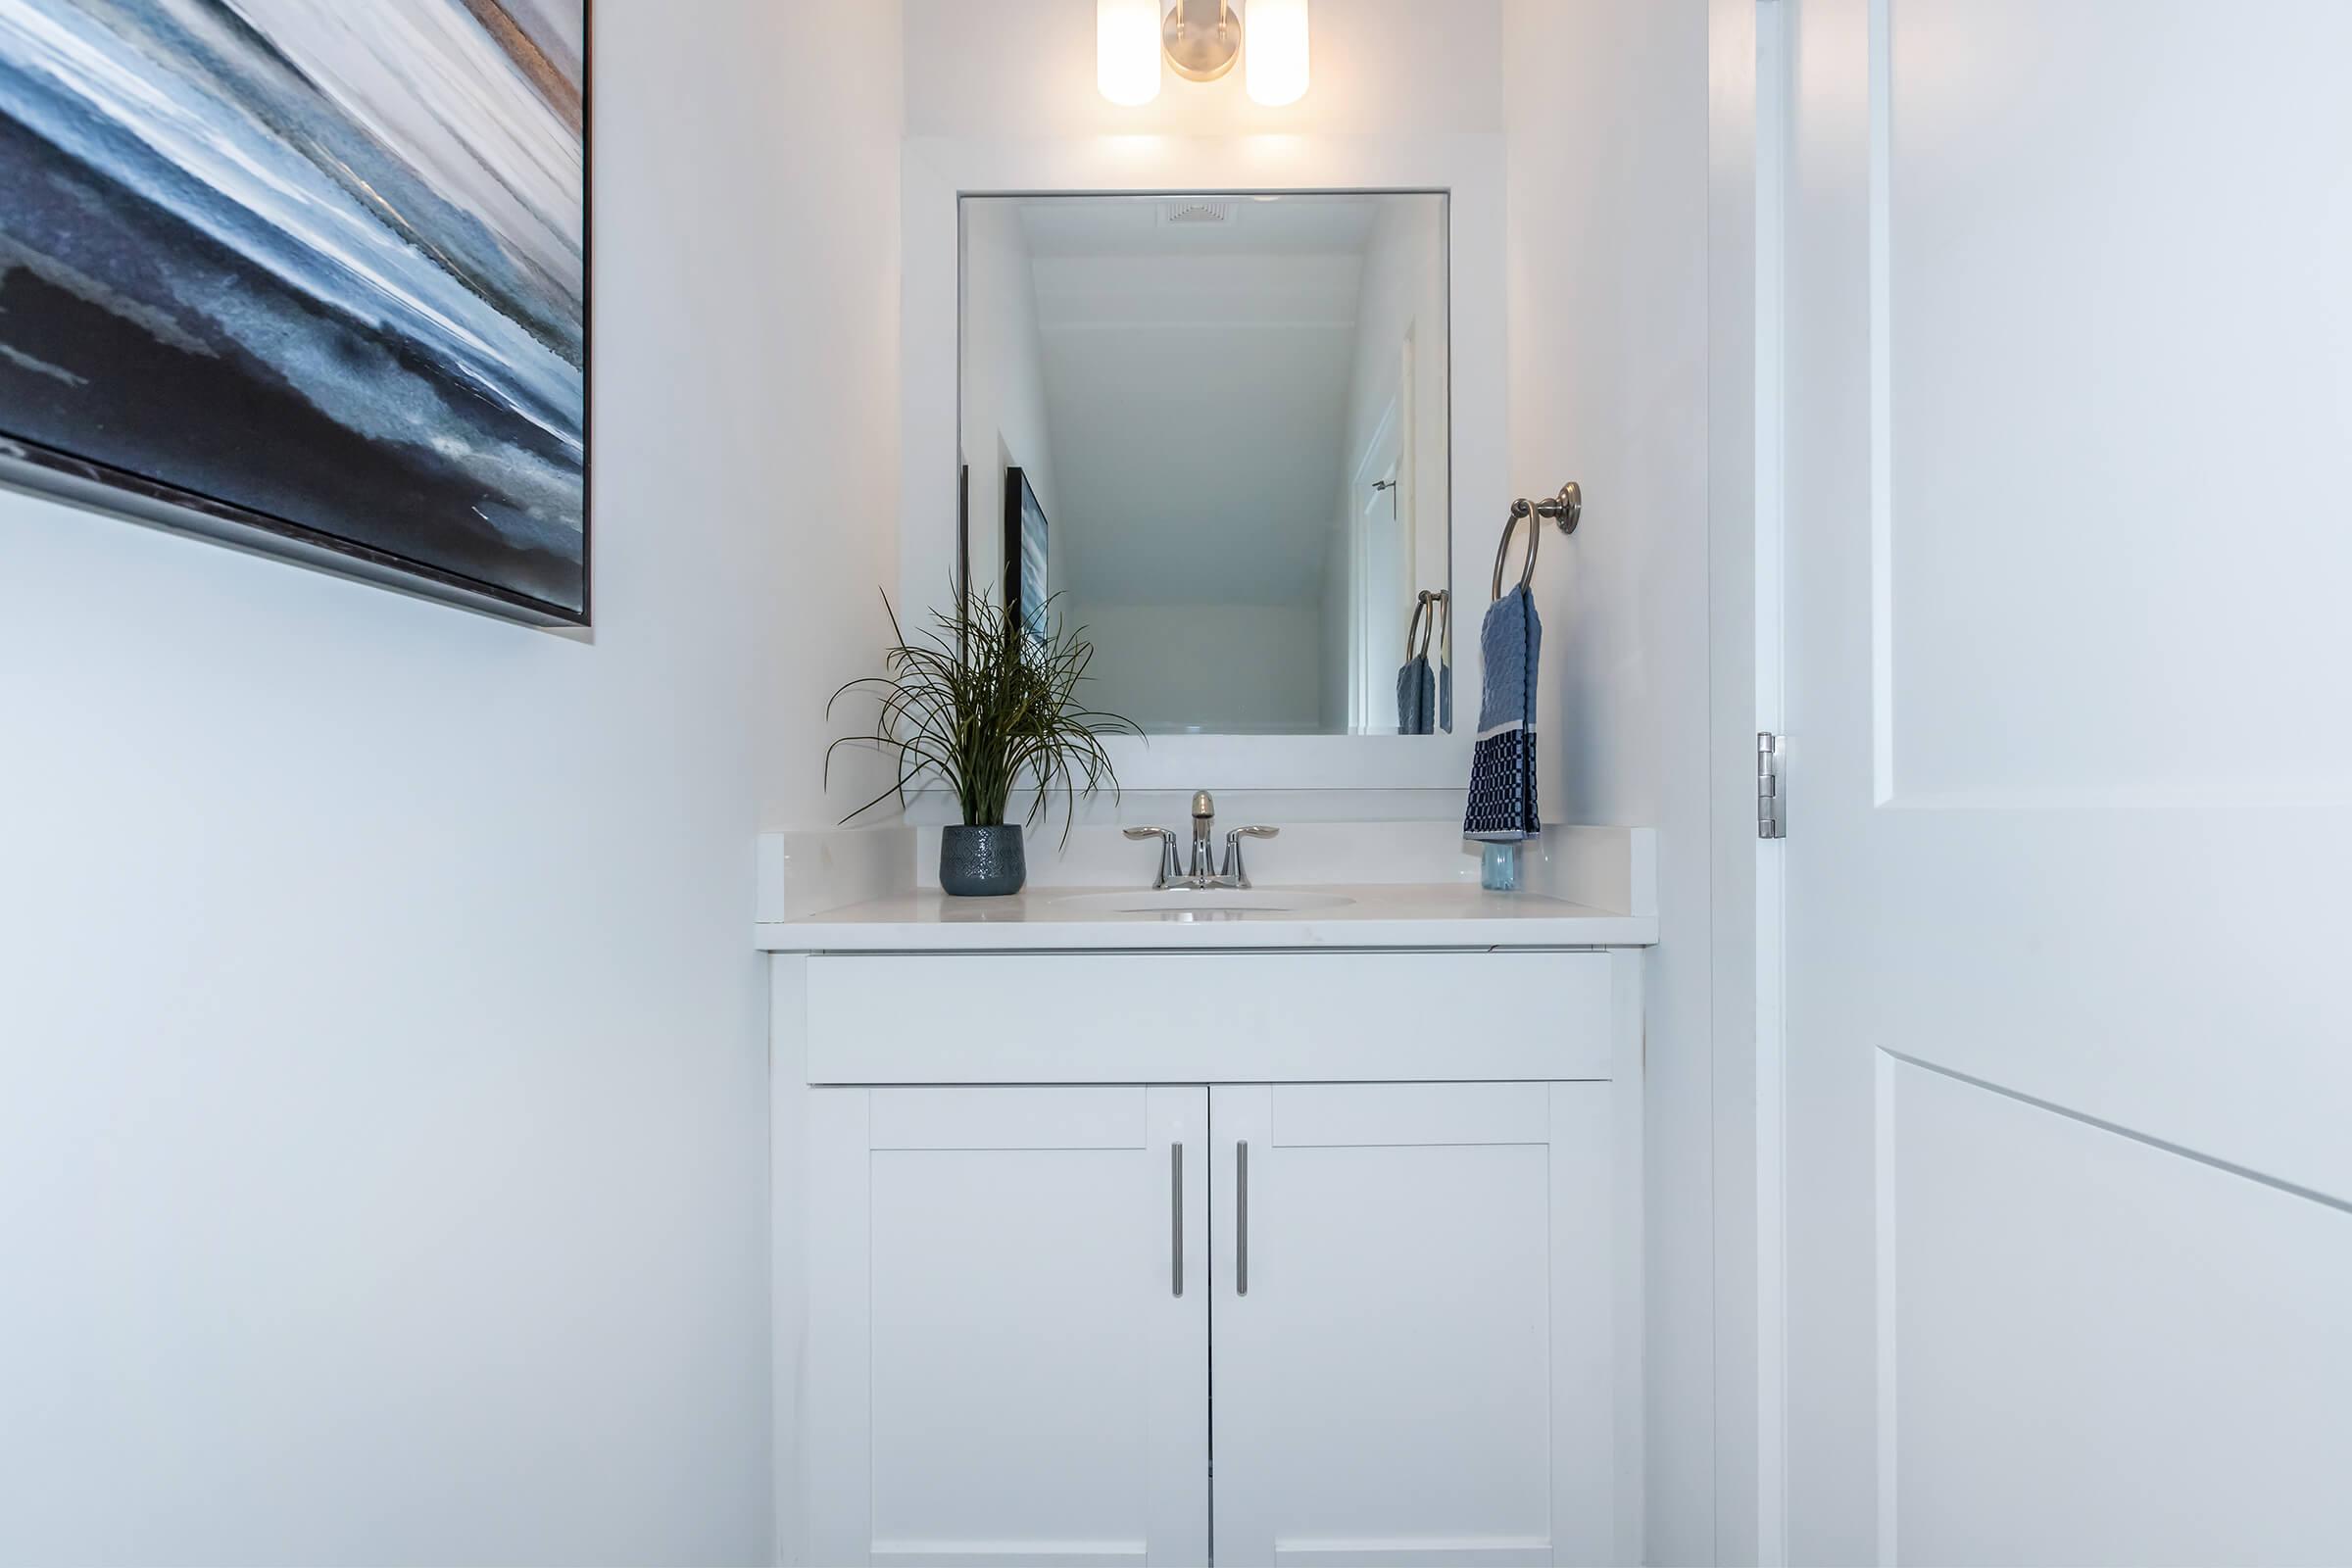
x: 1003, y: 1368
x: 1349, y: 1321
x: 1410, y: 1323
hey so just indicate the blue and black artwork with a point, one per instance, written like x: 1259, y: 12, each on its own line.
x: 310, y: 273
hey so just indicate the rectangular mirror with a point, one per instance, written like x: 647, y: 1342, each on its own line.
x: 1213, y: 431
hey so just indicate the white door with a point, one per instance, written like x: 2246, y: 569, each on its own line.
x: 1412, y: 1324
x: 1008, y: 1335
x: 2069, y: 1034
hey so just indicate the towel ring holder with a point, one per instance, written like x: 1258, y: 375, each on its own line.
x: 1566, y: 509
x: 1424, y: 623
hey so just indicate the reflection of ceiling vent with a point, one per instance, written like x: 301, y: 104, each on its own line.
x: 1176, y: 212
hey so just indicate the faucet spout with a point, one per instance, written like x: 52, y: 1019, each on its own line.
x: 1204, y: 817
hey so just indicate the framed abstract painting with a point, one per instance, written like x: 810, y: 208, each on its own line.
x: 310, y: 277
x: 1026, y: 590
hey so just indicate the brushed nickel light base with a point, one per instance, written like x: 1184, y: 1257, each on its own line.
x: 1203, y: 38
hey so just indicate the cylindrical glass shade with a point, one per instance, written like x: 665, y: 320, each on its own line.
x: 1274, y: 50
x: 1127, y: 50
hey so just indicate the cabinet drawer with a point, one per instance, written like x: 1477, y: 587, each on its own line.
x: 1218, y: 1017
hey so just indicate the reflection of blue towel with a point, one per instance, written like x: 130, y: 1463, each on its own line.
x: 1502, y: 766
x: 1445, y: 696
x: 1417, y: 697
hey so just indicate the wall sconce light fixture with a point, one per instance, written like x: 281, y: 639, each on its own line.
x: 1200, y: 39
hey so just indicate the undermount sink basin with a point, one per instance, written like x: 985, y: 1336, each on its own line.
x: 1184, y: 902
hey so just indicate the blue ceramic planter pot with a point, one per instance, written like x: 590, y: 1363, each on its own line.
x: 982, y: 862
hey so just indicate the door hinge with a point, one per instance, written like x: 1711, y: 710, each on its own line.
x: 1771, y: 822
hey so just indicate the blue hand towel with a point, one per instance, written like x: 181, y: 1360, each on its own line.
x: 1417, y: 697
x: 1445, y: 696
x: 1502, y: 765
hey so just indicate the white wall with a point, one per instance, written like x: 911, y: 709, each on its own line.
x: 383, y: 1148
x: 1607, y: 148
x: 1004, y: 410
x: 1334, y: 638
x: 1183, y: 391
x: 1260, y: 666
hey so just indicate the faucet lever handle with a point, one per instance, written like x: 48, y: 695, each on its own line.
x: 1170, y: 873
x: 1234, y: 872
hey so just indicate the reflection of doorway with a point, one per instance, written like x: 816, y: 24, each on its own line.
x: 1381, y: 563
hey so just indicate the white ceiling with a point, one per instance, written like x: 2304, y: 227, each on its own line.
x: 1253, y: 226
x: 1197, y: 381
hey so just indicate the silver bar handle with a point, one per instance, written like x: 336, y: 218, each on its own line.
x: 1241, y: 1223
x: 1175, y: 1219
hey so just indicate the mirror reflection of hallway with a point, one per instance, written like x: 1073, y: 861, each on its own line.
x: 1231, y: 412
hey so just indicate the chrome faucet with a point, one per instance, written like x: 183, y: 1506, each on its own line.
x: 1205, y: 821
x: 1202, y: 875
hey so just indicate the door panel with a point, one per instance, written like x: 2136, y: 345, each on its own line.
x: 2160, y: 1363
x: 998, y: 1331
x: 2066, y: 398
x: 2119, y: 392
x: 1418, y: 1369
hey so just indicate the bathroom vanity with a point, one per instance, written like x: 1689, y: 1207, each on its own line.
x: 1302, y: 1230
x: 1293, y: 1223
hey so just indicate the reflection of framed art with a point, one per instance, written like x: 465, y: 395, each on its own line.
x: 1025, y: 585
x: 963, y: 533
x: 311, y: 277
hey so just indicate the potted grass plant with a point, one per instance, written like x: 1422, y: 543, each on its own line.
x: 985, y: 705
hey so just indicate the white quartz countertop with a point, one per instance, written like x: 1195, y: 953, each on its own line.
x: 865, y: 890
x: 1452, y: 914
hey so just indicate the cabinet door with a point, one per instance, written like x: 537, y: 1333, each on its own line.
x: 1412, y: 1324
x: 1009, y: 1326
